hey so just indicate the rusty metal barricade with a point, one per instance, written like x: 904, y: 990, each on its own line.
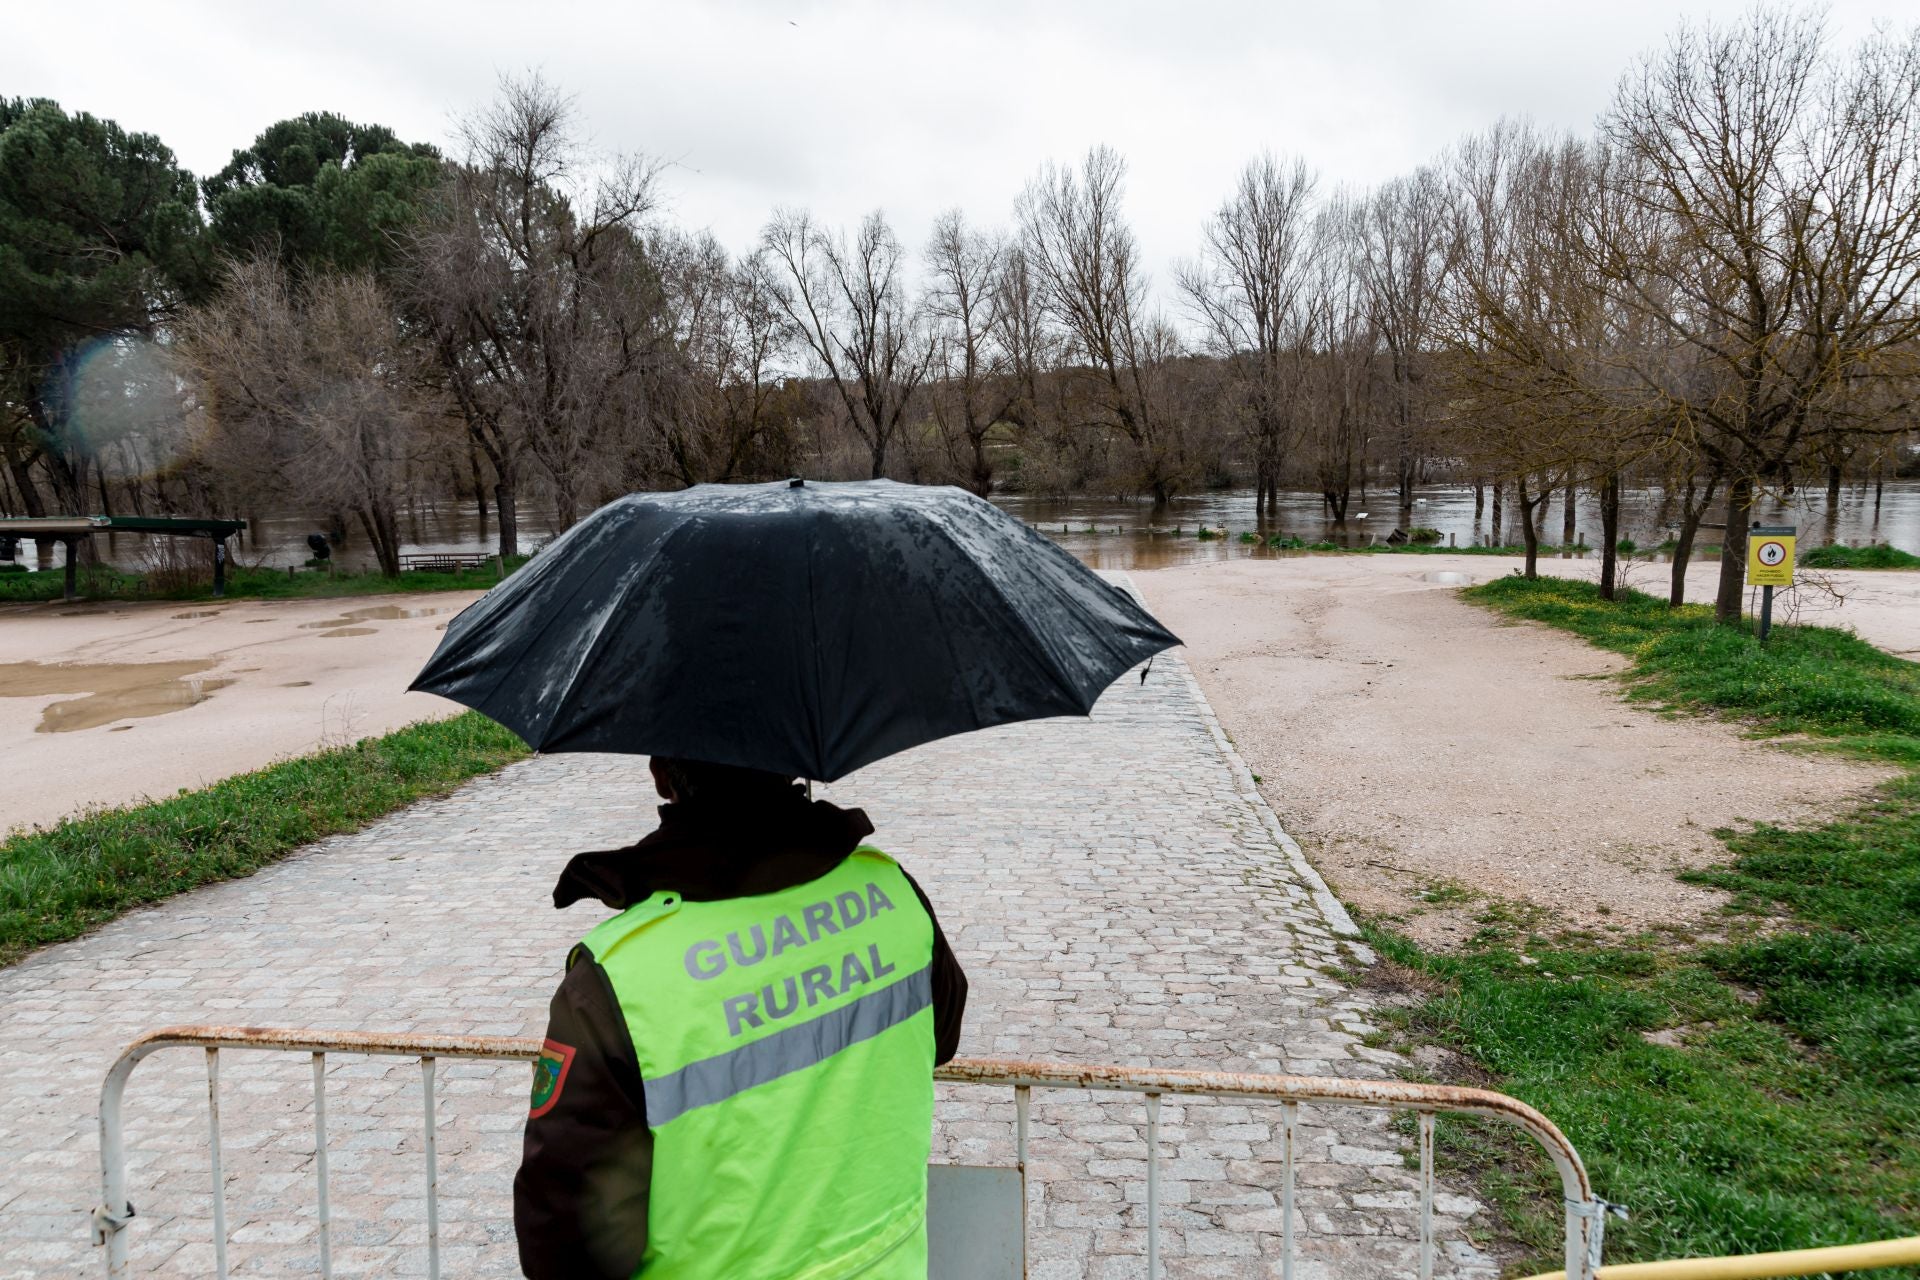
x: 1585, y: 1212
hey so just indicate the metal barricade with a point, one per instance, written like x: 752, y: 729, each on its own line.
x: 1584, y: 1212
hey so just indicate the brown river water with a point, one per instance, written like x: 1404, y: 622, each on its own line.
x: 1106, y: 533
x: 1128, y: 533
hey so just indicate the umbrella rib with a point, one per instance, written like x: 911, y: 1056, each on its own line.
x: 618, y: 603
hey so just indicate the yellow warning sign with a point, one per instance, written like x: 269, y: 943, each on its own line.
x: 1770, y: 557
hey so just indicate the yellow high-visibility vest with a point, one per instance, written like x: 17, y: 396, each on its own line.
x: 786, y: 1048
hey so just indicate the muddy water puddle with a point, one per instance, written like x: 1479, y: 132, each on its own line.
x: 347, y: 624
x: 111, y: 691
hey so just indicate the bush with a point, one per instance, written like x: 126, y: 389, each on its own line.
x: 1879, y: 556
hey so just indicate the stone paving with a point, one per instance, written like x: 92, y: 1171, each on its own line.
x: 1115, y: 889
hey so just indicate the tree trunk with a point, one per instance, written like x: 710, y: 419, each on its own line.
x: 1833, y: 487
x: 479, y: 486
x: 982, y: 465
x: 1479, y: 499
x: 1609, y: 534
x: 1568, y: 522
x: 1493, y: 537
x: 1691, y: 513
x: 1337, y: 500
x: 1528, y: 533
x: 22, y: 472
x: 1733, y: 551
x: 505, y: 502
x: 383, y: 535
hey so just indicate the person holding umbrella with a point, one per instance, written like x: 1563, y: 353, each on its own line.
x: 738, y: 1074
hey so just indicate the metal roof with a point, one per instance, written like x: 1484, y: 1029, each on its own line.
x: 70, y: 526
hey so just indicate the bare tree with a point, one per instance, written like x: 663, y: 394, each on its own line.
x: 530, y: 275
x: 727, y: 408
x: 1779, y: 277
x: 1086, y: 271
x: 966, y: 295
x: 1344, y: 373
x: 1405, y: 259
x: 1248, y: 291
x: 849, y: 305
x: 313, y: 395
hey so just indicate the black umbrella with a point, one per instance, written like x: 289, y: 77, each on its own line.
x: 807, y: 629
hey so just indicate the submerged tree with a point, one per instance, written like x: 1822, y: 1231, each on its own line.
x: 1249, y: 290
x: 314, y: 395
x: 1085, y: 267
x: 1775, y: 258
x: 849, y: 306
x: 530, y: 277
x: 966, y: 300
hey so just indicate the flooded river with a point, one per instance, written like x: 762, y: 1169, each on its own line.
x: 1122, y: 533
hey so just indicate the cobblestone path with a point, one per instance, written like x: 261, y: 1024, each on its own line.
x: 1114, y: 888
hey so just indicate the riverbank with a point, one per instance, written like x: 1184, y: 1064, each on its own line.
x: 1429, y: 754
x: 1752, y: 1090
x: 106, y: 583
x: 109, y: 704
x: 1730, y: 1039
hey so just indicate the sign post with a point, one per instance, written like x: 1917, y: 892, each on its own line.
x: 1769, y: 565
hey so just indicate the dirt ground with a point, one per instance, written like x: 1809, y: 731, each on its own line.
x: 1435, y: 760
x: 147, y: 698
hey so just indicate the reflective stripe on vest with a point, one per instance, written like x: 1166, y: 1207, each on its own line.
x: 786, y: 1051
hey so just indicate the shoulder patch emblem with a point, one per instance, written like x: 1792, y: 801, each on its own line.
x: 549, y: 1077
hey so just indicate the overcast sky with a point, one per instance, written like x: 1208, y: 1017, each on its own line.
x: 846, y: 105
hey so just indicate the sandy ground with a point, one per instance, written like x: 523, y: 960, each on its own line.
x: 153, y: 697
x: 1415, y: 743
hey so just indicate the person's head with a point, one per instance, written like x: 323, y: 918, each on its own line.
x: 697, y: 781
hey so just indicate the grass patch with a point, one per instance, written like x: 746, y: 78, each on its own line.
x: 102, y: 582
x: 1757, y: 1092
x: 60, y: 881
x: 1811, y: 680
x: 1880, y: 556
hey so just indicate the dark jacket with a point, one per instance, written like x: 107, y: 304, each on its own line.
x: 580, y: 1198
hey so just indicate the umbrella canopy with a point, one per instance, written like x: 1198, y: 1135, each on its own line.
x: 806, y: 629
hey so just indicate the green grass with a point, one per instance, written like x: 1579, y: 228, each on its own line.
x: 106, y: 583
x: 1880, y: 556
x: 1787, y: 1115
x: 58, y: 882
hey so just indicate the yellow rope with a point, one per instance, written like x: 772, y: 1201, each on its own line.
x: 1758, y: 1266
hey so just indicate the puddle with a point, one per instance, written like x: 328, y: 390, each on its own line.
x: 1448, y: 577
x: 197, y: 613
x: 348, y: 631
x: 120, y: 728
x: 113, y: 690
x: 375, y: 613
x: 296, y: 684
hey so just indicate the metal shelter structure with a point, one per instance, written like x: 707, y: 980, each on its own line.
x: 70, y: 529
